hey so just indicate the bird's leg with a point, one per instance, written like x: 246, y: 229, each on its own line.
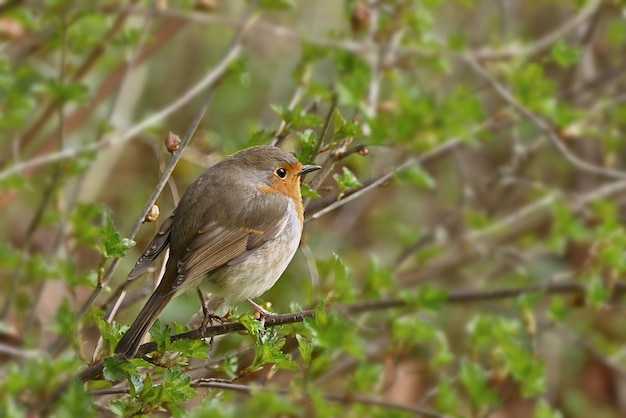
x: 208, y: 316
x: 263, y: 313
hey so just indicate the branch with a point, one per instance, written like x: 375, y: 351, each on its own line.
x: 364, y: 48
x: 248, y: 389
x: 454, y: 298
x: 211, y: 79
x: 382, y: 179
x: 542, y: 125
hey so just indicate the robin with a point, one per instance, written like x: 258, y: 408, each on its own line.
x: 236, y: 229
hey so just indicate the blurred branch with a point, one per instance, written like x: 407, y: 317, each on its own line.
x: 453, y: 298
x: 81, y: 71
x: 543, y: 43
x: 474, y: 243
x: 543, y: 125
x: 348, y: 398
x: 369, y: 186
x: 248, y: 389
x: 367, y: 47
x: 109, y: 85
x: 281, y: 132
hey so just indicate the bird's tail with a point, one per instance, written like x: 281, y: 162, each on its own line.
x: 129, y: 343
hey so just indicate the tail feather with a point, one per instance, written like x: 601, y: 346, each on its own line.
x: 129, y: 343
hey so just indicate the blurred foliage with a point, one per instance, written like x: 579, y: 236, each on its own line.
x: 464, y: 246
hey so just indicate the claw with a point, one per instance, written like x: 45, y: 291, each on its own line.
x: 208, y: 317
x: 262, y: 313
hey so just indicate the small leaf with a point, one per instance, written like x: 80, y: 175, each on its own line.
x: 428, y: 297
x: 559, y: 309
x: 160, y: 333
x: 65, y: 322
x: 346, y: 180
x: 307, y: 191
x: 75, y: 402
x: 544, y: 410
x: 113, y: 370
x: 474, y: 379
x: 305, y: 348
x: 112, y: 245
x: 597, y: 292
x: 417, y: 176
x: 177, y: 385
x: 565, y: 55
x: 276, y: 4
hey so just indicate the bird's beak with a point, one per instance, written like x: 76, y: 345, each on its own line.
x: 307, y: 169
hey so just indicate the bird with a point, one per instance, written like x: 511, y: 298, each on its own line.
x: 234, y: 230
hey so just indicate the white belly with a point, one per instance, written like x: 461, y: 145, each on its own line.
x: 261, y: 269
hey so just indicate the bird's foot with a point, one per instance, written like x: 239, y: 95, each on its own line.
x: 261, y: 313
x: 207, y: 318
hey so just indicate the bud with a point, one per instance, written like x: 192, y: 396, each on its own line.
x: 172, y: 142
x: 152, y: 215
x: 161, y: 6
x: 360, y: 18
x: 11, y: 28
x: 205, y: 5
x: 363, y: 151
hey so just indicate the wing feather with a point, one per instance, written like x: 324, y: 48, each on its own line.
x: 156, y: 245
x: 215, y: 246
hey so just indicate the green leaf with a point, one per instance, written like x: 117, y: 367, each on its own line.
x: 112, y: 245
x: 111, y: 332
x: 75, y: 402
x: 525, y: 368
x: 66, y: 92
x: 333, y: 331
x: 336, y: 272
x: 267, y: 346
x: 307, y: 191
x: 114, y: 370
x: 83, y: 220
x: 230, y: 365
x: 447, y: 399
x: 65, y: 322
x: 160, y: 333
x: 559, y: 309
x: 544, y: 410
x: 177, y: 385
x: 565, y: 55
x: 427, y: 297
x: 16, y: 182
x: 276, y: 4
x: 417, y: 176
x: 347, y: 180
x: 305, y: 348
x: 474, y: 379
x: 378, y: 278
x: 308, y: 146
x: 409, y: 329
x: 262, y: 401
x: 597, y: 292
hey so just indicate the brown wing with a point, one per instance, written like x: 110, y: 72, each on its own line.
x: 214, y: 246
x: 154, y: 248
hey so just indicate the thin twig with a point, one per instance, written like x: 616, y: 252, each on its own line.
x: 363, y: 48
x: 442, y: 149
x: 348, y: 398
x: 543, y: 125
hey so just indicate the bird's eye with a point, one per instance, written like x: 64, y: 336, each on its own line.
x: 281, y: 172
